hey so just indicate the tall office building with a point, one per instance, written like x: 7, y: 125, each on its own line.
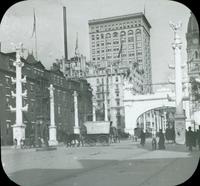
x: 119, y: 52
x: 122, y: 41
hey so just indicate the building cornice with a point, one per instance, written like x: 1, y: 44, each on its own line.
x: 119, y: 18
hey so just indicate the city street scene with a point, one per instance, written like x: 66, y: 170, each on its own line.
x: 99, y: 93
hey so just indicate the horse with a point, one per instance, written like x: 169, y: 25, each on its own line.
x: 72, y: 140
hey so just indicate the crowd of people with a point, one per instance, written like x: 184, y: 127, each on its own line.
x: 192, y: 138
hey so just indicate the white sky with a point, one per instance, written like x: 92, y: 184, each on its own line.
x: 17, y: 26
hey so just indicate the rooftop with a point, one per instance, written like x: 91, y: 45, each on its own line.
x: 119, y: 18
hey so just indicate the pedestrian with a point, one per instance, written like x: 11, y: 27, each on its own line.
x: 39, y: 142
x: 173, y: 135
x: 142, y: 136
x: 15, y: 143
x: 194, y: 139
x: 198, y: 137
x: 189, y: 138
x: 22, y: 143
x: 161, y: 142
x: 154, y: 143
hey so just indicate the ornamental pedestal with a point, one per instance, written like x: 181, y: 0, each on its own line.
x: 76, y: 130
x: 52, y: 136
x: 18, y: 133
x: 180, y: 128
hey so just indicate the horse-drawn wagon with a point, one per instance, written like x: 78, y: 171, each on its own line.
x: 97, y: 132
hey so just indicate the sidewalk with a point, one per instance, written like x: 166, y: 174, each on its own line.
x: 169, y: 147
x: 12, y: 147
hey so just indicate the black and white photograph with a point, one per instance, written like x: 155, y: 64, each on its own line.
x: 99, y: 93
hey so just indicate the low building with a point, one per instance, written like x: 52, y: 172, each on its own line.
x: 37, y: 118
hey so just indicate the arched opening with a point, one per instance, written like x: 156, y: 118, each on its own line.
x: 153, y: 120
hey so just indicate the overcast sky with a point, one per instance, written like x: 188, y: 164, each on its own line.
x: 17, y: 26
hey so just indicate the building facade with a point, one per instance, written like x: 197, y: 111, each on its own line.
x: 193, y: 64
x: 37, y: 118
x: 120, y: 54
x: 122, y: 41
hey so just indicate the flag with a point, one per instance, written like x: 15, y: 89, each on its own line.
x: 34, y: 24
x: 120, y: 50
x: 76, y: 48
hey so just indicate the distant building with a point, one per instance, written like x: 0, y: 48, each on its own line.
x: 122, y: 41
x: 39, y: 79
x: 75, y: 67
x: 120, y: 53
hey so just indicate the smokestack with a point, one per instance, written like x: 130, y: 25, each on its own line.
x: 65, y: 32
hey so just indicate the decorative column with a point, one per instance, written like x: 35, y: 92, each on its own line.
x: 52, y: 128
x: 157, y: 121
x: 105, y: 106
x: 144, y: 120
x: 93, y: 109
x: 165, y: 121
x: 154, y: 126
x: 189, y: 122
x: 160, y: 120
x: 151, y: 119
x: 76, y: 127
x: 19, y: 127
x: 179, y: 114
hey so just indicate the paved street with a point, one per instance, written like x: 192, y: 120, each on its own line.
x: 124, y: 163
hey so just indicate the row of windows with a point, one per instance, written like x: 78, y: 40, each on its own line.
x: 127, y: 24
x: 110, y: 57
x: 116, y: 43
x: 115, y: 34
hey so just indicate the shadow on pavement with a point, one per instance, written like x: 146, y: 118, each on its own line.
x: 111, y: 172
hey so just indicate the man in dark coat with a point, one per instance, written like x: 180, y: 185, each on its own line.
x: 198, y: 137
x: 161, y: 142
x: 142, y: 136
x: 190, y: 138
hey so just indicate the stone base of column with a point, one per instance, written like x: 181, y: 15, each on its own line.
x: 18, y: 134
x: 76, y: 130
x: 52, y: 136
x: 180, y: 128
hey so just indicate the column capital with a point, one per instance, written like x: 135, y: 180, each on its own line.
x: 51, y: 88
x: 75, y: 94
x: 175, y: 26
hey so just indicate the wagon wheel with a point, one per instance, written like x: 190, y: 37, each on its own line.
x: 104, y: 140
x: 90, y: 141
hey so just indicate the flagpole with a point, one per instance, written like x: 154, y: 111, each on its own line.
x: 34, y: 32
x: 36, y: 43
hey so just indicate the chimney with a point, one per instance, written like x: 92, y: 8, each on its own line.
x: 65, y: 32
